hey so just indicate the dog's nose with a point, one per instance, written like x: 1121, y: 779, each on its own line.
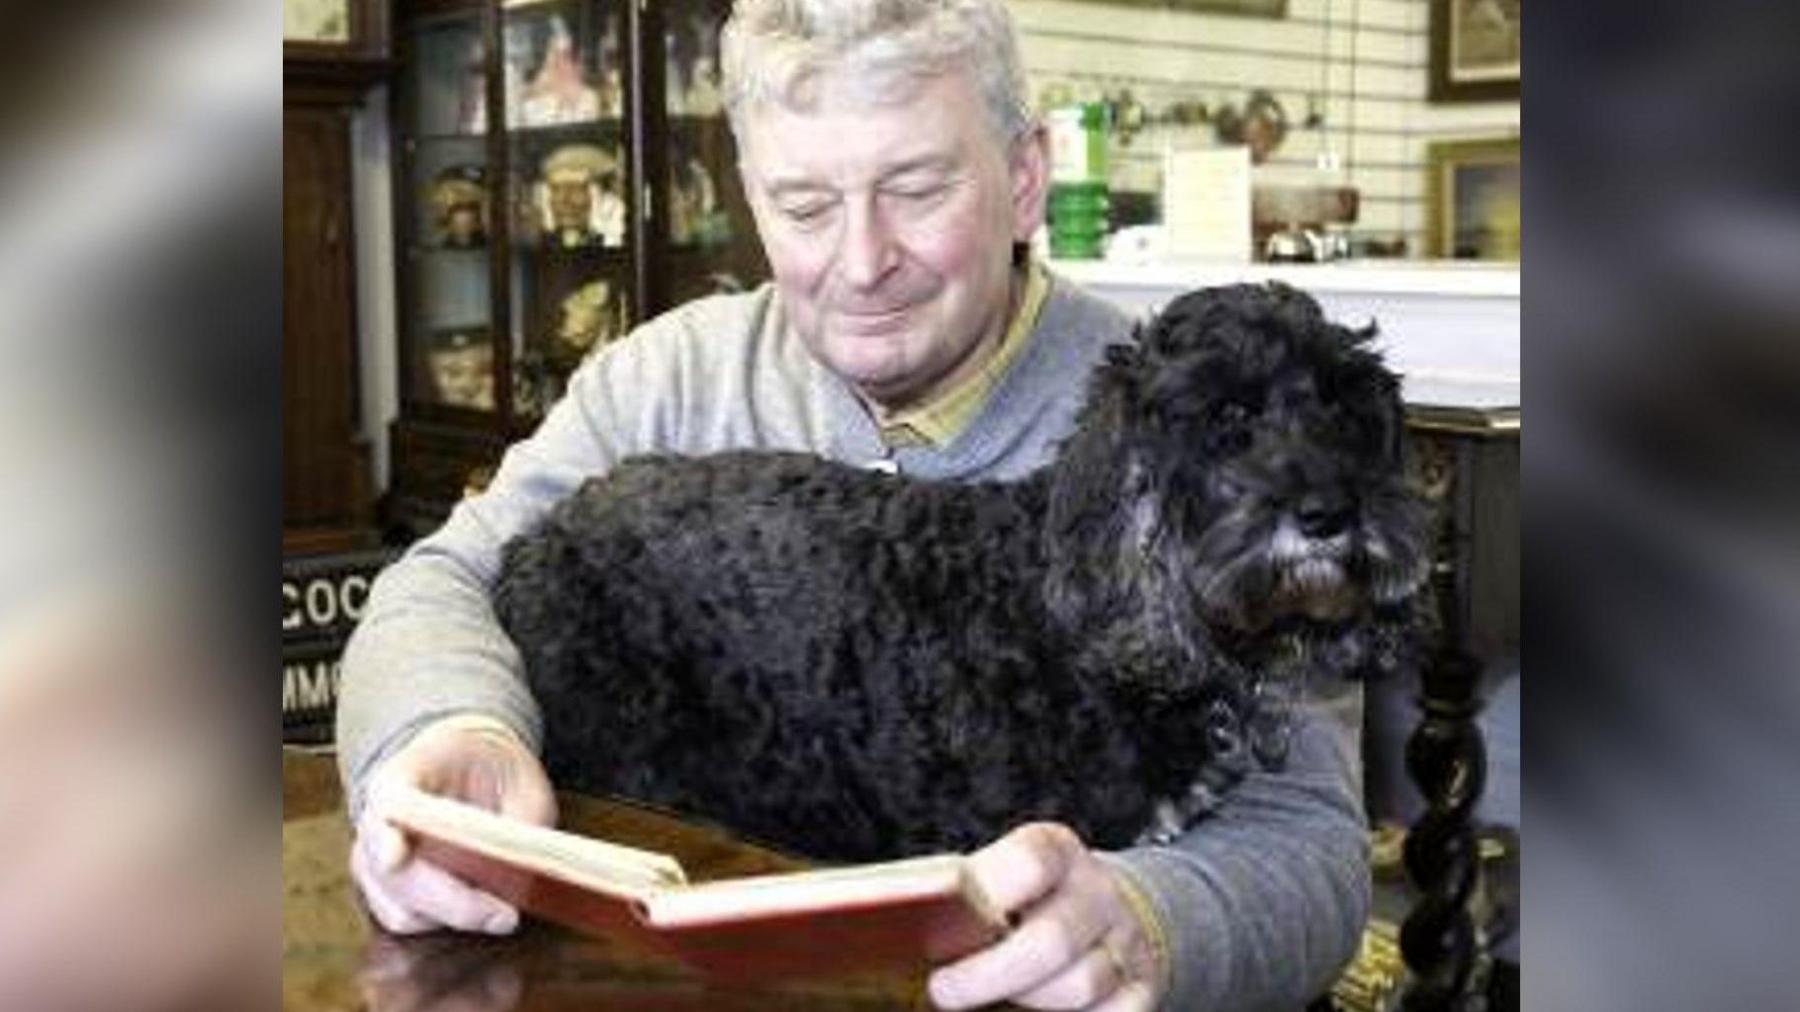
x: 1322, y: 515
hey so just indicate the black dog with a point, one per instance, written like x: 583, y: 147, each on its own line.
x: 857, y: 666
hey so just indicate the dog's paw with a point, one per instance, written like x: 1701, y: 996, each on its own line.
x: 1166, y: 824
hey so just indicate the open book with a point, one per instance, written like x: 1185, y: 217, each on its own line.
x: 897, y: 914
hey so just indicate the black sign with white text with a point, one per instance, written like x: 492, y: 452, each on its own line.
x: 322, y: 599
x: 322, y: 596
x: 309, y: 680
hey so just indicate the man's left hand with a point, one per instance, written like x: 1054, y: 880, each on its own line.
x: 1079, y: 941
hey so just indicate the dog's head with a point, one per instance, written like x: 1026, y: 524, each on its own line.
x: 1259, y: 450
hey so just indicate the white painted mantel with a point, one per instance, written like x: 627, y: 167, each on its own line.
x: 1450, y: 329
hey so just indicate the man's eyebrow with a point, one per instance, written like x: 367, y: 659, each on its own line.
x: 923, y: 163
x: 782, y: 187
x: 936, y: 162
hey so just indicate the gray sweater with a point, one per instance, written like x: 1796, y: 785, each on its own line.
x: 1263, y: 900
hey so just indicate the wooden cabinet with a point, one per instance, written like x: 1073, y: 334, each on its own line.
x: 332, y: 55
x: 318, y: 355
x: 563, y: 171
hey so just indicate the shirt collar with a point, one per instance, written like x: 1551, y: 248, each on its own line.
x: 939, y: 421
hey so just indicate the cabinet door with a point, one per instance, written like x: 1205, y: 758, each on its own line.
x: 447, y: 221
x: 705, y: 236
x: 570, y: 190
x: 318, y: 411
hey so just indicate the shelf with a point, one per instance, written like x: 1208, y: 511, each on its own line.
x: 448, y: 138
x: 415, y: 249
x: 1456, y: 279
x: 535, y: 251
x: 1451, y: 329
x: 606, y: 126
x: 688, y: 121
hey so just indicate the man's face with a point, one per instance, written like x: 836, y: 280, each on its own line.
x: 890, y: 229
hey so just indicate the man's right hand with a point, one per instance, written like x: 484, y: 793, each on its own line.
x: 471, y: 759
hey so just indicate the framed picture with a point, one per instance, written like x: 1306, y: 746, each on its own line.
x: 1473, y: 200
x: 1474, y: 50
x: 314, y: 31
x: 326, y: 22
x: 1241, y: 8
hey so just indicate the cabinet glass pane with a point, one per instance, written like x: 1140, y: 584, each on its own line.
x: 708, y: 231
x: 570, y: 193
x: 446, y: 248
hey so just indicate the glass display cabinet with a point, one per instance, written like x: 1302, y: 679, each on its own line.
x: 563, y: 171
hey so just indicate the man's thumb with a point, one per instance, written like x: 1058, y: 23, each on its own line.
x: 387, y: 845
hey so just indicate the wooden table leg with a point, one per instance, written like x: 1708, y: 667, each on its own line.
x: 1447, y: 760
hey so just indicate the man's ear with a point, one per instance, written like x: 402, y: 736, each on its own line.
x: 1028, y: 162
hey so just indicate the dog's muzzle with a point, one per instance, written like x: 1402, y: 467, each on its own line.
x: 1311, y: 577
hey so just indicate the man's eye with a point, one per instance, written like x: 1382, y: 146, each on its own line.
x: 806, y: 213
x: 918, y: 194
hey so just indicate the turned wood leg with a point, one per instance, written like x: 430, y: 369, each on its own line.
x: 1446, y: 759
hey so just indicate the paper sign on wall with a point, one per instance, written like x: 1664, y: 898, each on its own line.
x: 1206, y: 203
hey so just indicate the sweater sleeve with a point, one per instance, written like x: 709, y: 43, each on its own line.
x: 429, y: 644
x: 1265, y: 899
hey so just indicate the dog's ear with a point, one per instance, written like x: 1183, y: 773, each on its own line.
x: 1374, y: 384
x: 1085, y: 514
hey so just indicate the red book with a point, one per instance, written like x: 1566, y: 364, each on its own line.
x: 891, y: 915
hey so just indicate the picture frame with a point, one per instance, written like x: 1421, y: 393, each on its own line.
x: 1474, y: 199
x: 1270, y: 9
x: 1243, y: 8
x: 1475, y: 49
x: 316, y: 22
x: 352, y: 34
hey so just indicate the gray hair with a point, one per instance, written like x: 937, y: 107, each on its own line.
x: 775, y: 50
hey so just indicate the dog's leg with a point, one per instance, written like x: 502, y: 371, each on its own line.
x: 1174, y: 816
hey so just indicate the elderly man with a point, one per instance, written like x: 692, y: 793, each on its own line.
x: 895, y: 172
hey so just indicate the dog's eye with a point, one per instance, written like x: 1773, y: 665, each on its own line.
x: 1234, y: 415
x: 1230, y: 429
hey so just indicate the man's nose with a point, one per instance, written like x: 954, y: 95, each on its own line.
x: 868, y: 252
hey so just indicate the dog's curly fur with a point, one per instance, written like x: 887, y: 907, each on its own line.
x: 857, y: 665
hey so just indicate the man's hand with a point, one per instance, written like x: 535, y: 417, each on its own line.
x: 1081, y: 942
x: 468, y: 759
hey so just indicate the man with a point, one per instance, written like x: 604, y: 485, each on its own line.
x: 894, y: 170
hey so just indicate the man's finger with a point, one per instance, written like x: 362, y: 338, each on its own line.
x: 417, y: 895
x: 1025, y: 864
x: 387, y: 910
x: 1136, y: 996
x: 387, y: 844
x: 1096, y: 975
x: 529, y: 797
x: 441, y: 896
x: 1055, y: 936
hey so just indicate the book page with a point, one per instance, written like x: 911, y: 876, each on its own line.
x: 606, y: 867
x: 936, y: 877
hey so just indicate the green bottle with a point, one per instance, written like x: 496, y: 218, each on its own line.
x: 1078, y: 197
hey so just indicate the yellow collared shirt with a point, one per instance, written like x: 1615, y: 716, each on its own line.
x: 945, y: 417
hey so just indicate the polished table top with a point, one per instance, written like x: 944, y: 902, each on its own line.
x: 335, y: 960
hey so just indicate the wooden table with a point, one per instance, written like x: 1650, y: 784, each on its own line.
x: 335, y: 960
